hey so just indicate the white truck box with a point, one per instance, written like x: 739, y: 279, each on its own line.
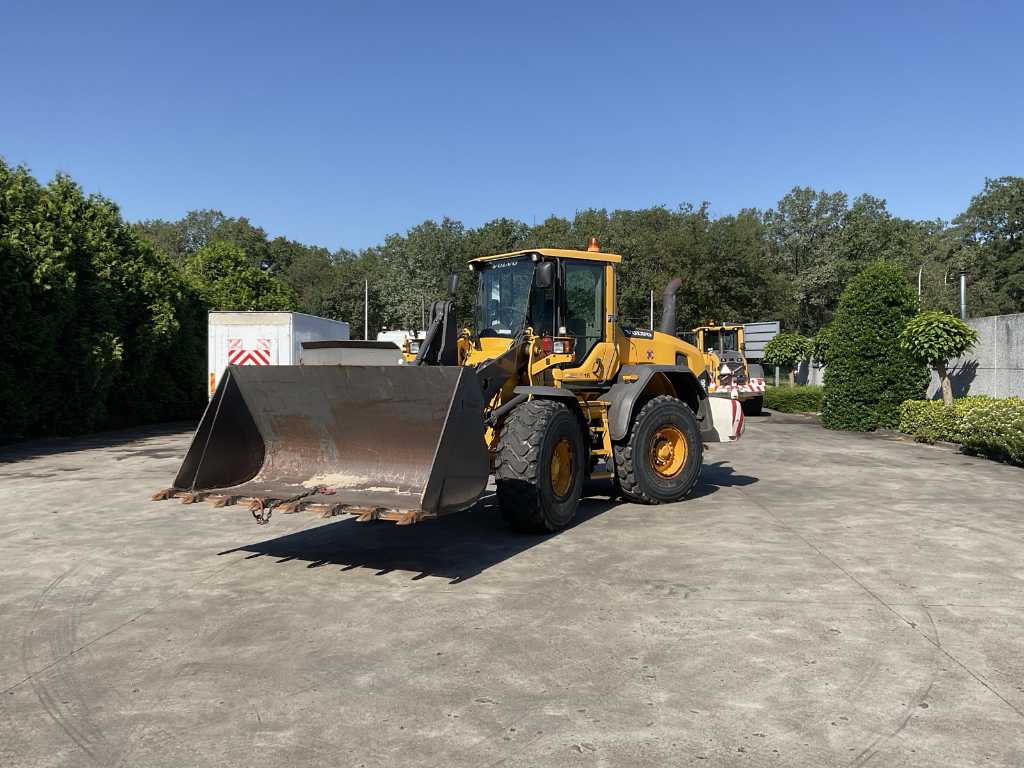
x: 263, y: 338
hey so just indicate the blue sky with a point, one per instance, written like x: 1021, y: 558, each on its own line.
x: 338, y: 123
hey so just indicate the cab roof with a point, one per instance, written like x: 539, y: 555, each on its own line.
x: 558, y: 253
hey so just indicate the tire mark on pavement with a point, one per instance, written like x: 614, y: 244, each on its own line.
x: 58, y: 692
x: 871, y: 749
x: 889, y: 607
x: 30, y: 674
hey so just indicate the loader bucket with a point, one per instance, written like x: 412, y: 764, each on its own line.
x: 408, y: 438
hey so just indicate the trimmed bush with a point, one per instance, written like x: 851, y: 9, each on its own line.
x: 985, y: 425
x: 934, y: 337
x: 788, y: 350
x: 996, y: 429
x: 869, y: 375
x: 794, y: 399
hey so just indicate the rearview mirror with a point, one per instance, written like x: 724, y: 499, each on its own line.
x: 544, y: 275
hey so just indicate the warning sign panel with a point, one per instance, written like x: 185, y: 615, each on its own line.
x: 238, y: 354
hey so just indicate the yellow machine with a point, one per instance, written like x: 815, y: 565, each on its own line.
x: 729, y: 371
x: 540, y: 389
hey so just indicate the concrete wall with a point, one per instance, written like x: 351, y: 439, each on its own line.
x: 995, y: 366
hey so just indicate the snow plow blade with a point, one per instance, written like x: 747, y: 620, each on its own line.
x: 399, y: 442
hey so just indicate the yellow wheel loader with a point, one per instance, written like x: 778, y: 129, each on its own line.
x: 729, y: 371
x: 544, y: 387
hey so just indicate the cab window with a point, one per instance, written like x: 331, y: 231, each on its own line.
x: 583, y: 310
x: 542, y: 311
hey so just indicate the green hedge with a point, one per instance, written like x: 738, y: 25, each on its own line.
x: 99, y: 329
x: 794, y: 399
x: 985, y: 425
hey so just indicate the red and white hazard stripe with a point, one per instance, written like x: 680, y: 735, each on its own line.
x: 239, y: 355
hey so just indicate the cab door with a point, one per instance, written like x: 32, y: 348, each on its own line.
x: 582, y: 304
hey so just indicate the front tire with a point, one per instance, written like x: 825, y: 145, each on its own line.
x: 753, y: 406
x: 660, y: 460
x: 539, y: 467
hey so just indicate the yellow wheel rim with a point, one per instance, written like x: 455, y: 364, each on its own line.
x: 561, y: 467
x: 668, y: 451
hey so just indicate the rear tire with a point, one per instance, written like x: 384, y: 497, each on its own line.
x: 753, y: 406
x: 539, y: 467
x: 660, y: 460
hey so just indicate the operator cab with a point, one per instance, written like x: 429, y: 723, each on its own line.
x: 560, y: 295
x: 720, y: 340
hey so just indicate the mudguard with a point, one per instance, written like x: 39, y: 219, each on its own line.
x: 623, y: 395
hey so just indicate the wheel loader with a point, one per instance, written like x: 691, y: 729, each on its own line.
x: 543, y: 389
x: 727, y: 365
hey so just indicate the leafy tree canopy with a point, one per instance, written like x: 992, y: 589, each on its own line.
x: 788, y: 349
x: 226, y: 280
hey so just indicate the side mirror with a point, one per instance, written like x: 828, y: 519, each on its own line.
x: 453, y: 283
x: 544, y: 275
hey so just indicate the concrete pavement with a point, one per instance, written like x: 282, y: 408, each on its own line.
x: 825, y: 600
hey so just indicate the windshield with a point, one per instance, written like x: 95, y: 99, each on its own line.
x: 720, y: 341
x: 504, y: 296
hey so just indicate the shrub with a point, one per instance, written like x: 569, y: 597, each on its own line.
x: 868, y: 375
x: 788, y: 350
x: 794, y: 399
x: 989, y: 426
x: 996, y: 428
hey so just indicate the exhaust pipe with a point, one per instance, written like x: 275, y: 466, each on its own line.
x: 668, y: 307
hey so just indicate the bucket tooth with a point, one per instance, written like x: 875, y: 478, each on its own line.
x: 368, y: 514
x: 325, y: 511
x: 166, y: 493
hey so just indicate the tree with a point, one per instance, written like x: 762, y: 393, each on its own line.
x: 788, y: 350
x: 988, y: 241
x: 819, y: 240
x: 868, y: 374
x: 180, y: 239
x: 416, y: 269
x: 934, y: 337
x: 226, y: 280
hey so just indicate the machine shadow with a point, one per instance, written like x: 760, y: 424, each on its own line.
x: 717, y: 475
x: 455, y: 547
